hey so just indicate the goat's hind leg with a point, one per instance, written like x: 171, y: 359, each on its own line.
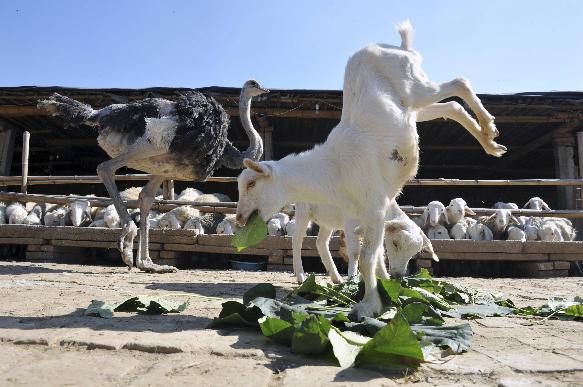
x: 146, y: 199
x: 106, y: 172
x: 454, y: 111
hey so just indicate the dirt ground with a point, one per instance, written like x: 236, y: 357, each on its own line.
x: 46, y: 340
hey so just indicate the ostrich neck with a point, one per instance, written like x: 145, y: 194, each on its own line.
x: 255, y: 149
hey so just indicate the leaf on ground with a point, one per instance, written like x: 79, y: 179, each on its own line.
x: 311, y: 337
x: 455, y: 337
x: 100, y: 308
x: 389, y: 290
x: 574, y: 310
x: 346, y: 346
x: 150, y: 305
x: 237, y: 314
x: 254, y: 232
x: 479, y: 311
x: 262, y: 290
x: 279, y: 330
x: 393, y: 346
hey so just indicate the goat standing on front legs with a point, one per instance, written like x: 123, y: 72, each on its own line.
x: 368, y: 156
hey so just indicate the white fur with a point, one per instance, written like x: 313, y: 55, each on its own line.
x: 549, y: 232
x: 228, y: 226
x: 437, y: 232
x: 506, y: 206
x: 516, y: 234
x: 369, y: 155
x: 537, y: 203
x: 459, y: 231
x: 80, y: 212
x: 565, y: 227
x: 16, y: 213
x: 189, y: 195
x: 57, y: 216
x: 178, y: 217
x: 480, y: 232
x: 434, y: 214
x: 457, y: 210
x: 195, y: 224
x: 499, y: 221
x: 111, y: 217
x: 274, y: 227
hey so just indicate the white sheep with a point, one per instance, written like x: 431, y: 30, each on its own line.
x: 505, y: 206
x: 457, y: 210
x: 290, y: 228
x: 111, y: 217
x: 178, y: 217
x: 371, y: 153
x: 228, y: 226
x: 516, y: 234
x: 56, y: 216
x: 80, y: 212
x: 549, y: 232
x: 34, y: 216
x: 480, y: 232
x: 16, y: 213
x: 189, y: 195
x: 274, y: 227
x: 536, y: 203
x: 434, y: 214
x: 437, y: 232
x: 530, y: 226
x: 195, y: 224
x: 566, y: 229
x: 499, y: 221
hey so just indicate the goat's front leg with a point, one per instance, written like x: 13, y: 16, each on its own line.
x: 324, y: 251
x: 302, y: 221
x: 106, y: 172
x: 371, y: 304
x: 146, y: 199
x: 454, y: 111
x: 427, y: 93
x: 381, y: 266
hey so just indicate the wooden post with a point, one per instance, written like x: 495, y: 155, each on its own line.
x: 564, y: 149
x: 168, y: 189
x: 6, y: 150
x: 580, y: 153
x: 25, y: 148
x: 266, y: 131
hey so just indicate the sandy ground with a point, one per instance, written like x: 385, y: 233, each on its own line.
x: 46, y: 340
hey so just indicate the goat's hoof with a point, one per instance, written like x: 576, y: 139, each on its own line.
x: 368, y: 307
x: 337, y: 279
x: 301, y: 277
x: 496, y: 149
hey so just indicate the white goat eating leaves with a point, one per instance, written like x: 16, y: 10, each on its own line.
x: 370, y: 154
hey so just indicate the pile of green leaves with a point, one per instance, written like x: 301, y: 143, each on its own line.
x: 137, y: 304
x: 314, y: 319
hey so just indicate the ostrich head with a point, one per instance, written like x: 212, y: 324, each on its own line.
x: 252, y: 88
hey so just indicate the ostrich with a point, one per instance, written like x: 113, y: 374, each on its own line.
x: 182, y: 140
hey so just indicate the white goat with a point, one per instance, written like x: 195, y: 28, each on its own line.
x: 516, y: 234
x: 457, y: 210
x: 16, y: 213
x: 370, y: 154
x: 480, y: 232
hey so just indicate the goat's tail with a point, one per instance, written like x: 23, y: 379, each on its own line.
x: 405, y: 29
x: 73, y: 112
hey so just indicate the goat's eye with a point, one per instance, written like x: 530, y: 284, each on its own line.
x: 250, y: 185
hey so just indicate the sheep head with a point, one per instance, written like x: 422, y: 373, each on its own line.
x: 457, y: 209
x: 433, y: 212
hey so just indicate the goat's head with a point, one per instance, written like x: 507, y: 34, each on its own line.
x: 433, y: 212
x: 258, y: 191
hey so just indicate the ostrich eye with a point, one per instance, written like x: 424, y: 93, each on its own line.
x: 250, y: 185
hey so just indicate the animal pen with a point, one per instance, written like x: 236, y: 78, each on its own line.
x: 543, y: 132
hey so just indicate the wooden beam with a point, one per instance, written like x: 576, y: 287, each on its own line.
x: 6, y: 150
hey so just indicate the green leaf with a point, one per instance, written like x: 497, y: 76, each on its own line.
x: 393, y: 346
x: 311, y: 337
x: 479, y: 311
x: 100, y: 308
x: 346, y: 346
x: 279, y: 330
x: 390, y: 289
x: 262, y: 290
x: 574, y: 310
x: 456, y: 338
x: 254, y: 232
x: 237, y: 314
x: 413, y: 312
x: 150, y: 305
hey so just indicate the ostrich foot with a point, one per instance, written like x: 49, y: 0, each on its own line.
x: 126, y: 243
x: 369, y: 307
x: 148, y: 266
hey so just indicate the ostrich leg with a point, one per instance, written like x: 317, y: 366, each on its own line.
x: 146, y: 199
x: 106, y: 172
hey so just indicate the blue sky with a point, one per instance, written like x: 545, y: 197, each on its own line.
x: 501, y: 46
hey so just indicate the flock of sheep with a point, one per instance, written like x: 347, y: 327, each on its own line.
x: 452, y: 222
x: 80, y: 213
x: 437, y: 221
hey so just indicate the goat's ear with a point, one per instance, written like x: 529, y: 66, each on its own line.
x: 491, y: 216
x: 257, y: 167
x: 526, y: 204
x: 469, y: 211
x: 545, y: 206
x: 514, y: 220
x: 428, y: 247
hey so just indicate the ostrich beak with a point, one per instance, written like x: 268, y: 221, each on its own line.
x: 264, y: 90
